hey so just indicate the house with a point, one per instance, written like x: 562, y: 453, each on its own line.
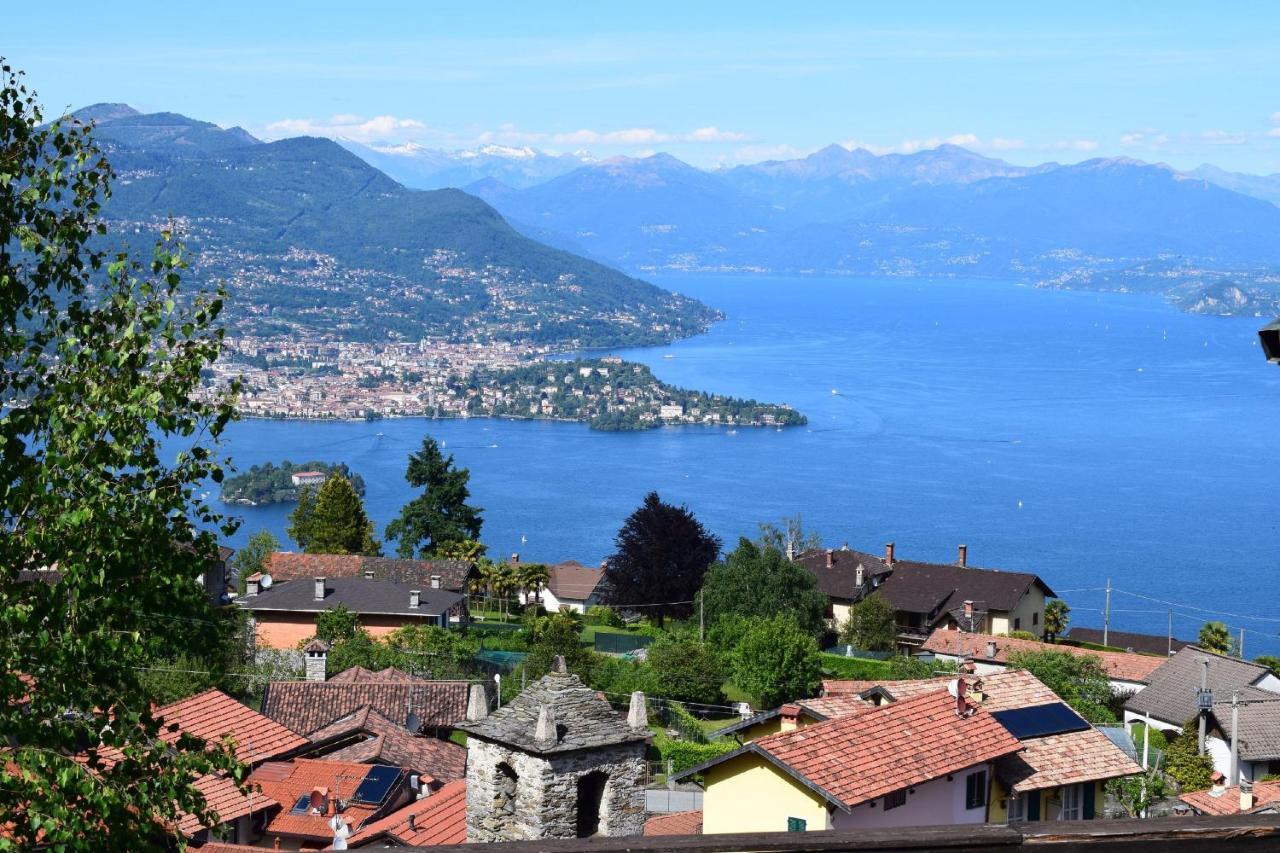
x: 1246, y: 798
x: 416, y: 704
x: 1147, y: 644
x: 308, y: 478
x: 572, y: 586
x: 1258, y: 716
x: 439, y: 818
x: 449, y: 575
x: 1127, y: 672
x: 1063, y: 767
x: 285, y: 614
x: 926, y: 596
x: 1169, y: 702
x: 922, y: 761
x: 369, y: 737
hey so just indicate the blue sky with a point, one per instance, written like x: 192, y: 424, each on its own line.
x: 712, y: 83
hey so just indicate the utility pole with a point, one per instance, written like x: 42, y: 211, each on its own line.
x: 1170, y: 651
x: 1106, y: 614
x: 1146, y: 739
x: 1201, y: 701
x: 1234, y: 778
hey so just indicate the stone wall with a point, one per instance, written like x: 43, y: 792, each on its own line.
x: 546, y: 799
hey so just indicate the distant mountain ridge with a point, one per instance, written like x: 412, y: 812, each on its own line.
x: 423, y: 168
x: 313, y: 240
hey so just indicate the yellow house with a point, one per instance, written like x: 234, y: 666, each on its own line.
x: 922, y: 761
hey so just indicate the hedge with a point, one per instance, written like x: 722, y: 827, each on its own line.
x: 684, y: 754
x: 863, y: 669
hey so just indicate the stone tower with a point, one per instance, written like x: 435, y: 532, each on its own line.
x: 557, y: 762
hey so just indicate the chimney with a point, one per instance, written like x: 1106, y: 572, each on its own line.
x: 251, y: 583
x: 435, y: 581
x: 831, y: 558
x: 991, y: 649
x: 888, y: 554
x: 319, y: 589
x: 968, y: 607
x: 515, y: 558
x: 413, y: 823
x: 477, y: 703
x: 368, y: 574
x: 857, y: 576
x: 559, y: 665
x: 790, y: 715
x: 545, y: 732
x: 415, y: 599
x: 316, y: 654
x: 637, y: 714
x: 1246, y: 795
x: 963, y: 559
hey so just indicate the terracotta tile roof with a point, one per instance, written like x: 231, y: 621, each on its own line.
x: 369, y: 737
x: 854, y: 759
x: 361, y: 675
x: 900, y: 688
x: 306, y: 706
x: 1226, y: 801
x: 1171, y: 695
x: 440, y: 818
x: 222, y: 796
x: 1002, y: 691
x: 288, y: 565
x: 1122, y: 666
x: 212, y: 715
x: 572, y: 580
x: 676, y: 823
x: 287, y: 783
x: 1065, y: 759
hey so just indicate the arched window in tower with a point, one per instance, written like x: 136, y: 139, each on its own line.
x: 591, y: 809
x: 506, y: 786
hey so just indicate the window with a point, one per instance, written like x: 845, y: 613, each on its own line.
x: 1017, y: 624
x: 591, y: 789
x: 1070, y: 803
x: 1035, y: 618
x: 897, y: 798
x: 975, y: 790
x: 797, y: 824
x: 1018, y: 807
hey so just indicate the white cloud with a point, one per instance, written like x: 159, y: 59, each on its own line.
x: 715, y: 134
x: 1275, y: 131
x: 760, y: 153
x: 1223, y: 137
x: 347, y: 125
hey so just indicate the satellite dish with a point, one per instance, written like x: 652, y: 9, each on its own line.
x: 265, y: 583
x: 953, y: 687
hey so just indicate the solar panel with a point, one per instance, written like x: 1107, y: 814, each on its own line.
x: 303, y: 805
x: 1040, y: 720
x: 376, y: 785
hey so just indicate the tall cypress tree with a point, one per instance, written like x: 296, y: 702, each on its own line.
x: 338, y: 523
x: 441, y: 514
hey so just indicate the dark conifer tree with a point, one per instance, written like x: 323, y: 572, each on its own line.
x: 440, y: 515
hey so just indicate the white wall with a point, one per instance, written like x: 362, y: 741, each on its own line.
x: 554, y: 604
x: 1130, y: 718
x: 934, y: 803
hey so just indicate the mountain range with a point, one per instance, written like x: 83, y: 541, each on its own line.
x: 313, y: 241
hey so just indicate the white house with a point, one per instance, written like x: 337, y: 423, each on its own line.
x: 308, y: 478
x: 1169, y: 701
x: 571, y: 586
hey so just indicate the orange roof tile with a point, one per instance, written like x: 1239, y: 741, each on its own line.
x: 369, y: 736
x: 676, y: 823
x: 224, y: 797
x: 1065, y: 759
x: 440, y: 818
x: 1226, y: 801
x: 1123, y: 666
x: 857, y: 758
x: 340, y: 778
x: 213, y: 715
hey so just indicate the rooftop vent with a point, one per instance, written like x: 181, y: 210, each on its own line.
x: 319, y: 589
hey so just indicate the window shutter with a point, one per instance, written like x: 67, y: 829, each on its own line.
x: 797, y: 824
x: 1089, y: 792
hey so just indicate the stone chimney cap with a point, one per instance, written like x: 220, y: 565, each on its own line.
x: 545, y: 732
x: 560, y: 666
x: 638, y: 712
x: 477, y: 703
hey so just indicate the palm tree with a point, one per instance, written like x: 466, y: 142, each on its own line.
x: 505, y: 581
x: 532, y: 578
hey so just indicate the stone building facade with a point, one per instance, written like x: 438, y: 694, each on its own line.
x: 557, y: 762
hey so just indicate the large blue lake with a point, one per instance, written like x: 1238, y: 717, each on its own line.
x: 1081, y: 436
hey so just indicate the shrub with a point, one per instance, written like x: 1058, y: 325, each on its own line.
x: 861, y: 669
x: 1023, y: 635
x: 775, y: 661
x: 686, y: 670
x: 600, y: 614
x: 684, y: 754
x: 1184, y: 764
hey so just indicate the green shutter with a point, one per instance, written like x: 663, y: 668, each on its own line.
x: 1089, y: 792
x: 1033, y: 805
x: 797, y: 824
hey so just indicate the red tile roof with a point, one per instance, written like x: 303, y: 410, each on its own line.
x: 440, y: 818
x: 1226, y: 801
x: 1065, y: 759
x: 1122, y: 666
x: 574, y: 581
x: 286, y: 782
x: 224, y: 797
x: 858, y: 758
x: 306, y: 706
x: 676, y: 823
x: 213, y: 715
x: 370, y: 737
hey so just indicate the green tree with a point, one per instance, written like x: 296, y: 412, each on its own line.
x: 464, y: 550
x: 1214, y: 637
x: 252, y: 557
x: 788, y: 537
x: 338, y: 523
x: 559, y: 634
x: 1184, y: 763
x: 1080, y: 680
x: 686, y: 670
x: 441, y: 514
x: 1270, y: 662
x: 433, y: 652
x: 532, y: 577
x: 758, y: 580
x: 775, y: 662
x: 661, y: 557
x: 100, y: 361
x: 871, y: 625
x: 336, y: 624
x: 1057, y: 615
x: 1137, y: 793
x: 302, y: 519
x: 359, y: 649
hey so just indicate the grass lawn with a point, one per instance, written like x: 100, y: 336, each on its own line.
x: 732, y: 693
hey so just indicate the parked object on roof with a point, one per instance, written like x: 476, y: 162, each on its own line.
x: 1150, y: 644
x: 1170, y: 699
x: 1127, y: 672
x: 556, y: 762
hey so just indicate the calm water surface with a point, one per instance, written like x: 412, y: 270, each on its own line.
x: 1081, y: 436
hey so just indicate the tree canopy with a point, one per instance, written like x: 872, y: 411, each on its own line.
x: 774, y: 662
x: 440, y: 515
x: 104, y: 451
x: 872, y: 625
x: 1215, y: 637
x: 686, y: 670
x: 661, y: 557
x: 1079, y: 680
x: 253, y: 556
x: 1057, y: 616
x: 334, y: 522
x: 756, y: 580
